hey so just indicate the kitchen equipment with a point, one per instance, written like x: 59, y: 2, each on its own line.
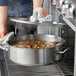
x: 72, y: 8
x: 54, y: 2
x: 72, y: 1
x: 50, y: 28
x: 29, y: 57
x: 64, y: 7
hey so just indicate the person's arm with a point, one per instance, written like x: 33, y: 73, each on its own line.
x: 37, y: 3
x: 38, y: 11
x: 3, y: 19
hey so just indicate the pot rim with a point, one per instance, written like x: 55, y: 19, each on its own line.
x: 63, y: 41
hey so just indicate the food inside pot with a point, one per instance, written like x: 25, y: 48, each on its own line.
x: 35, y: 44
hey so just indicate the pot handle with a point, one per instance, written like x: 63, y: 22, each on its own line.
x: 62, y: 52
x: 4, y: 47
x: 7, y: 37
x: 3, y: 44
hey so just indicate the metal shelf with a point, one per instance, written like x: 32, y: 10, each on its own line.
x: 69, y: 21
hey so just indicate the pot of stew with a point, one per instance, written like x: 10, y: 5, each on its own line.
x: 32, y: 50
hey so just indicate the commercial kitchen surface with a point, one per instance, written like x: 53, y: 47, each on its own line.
x: 46, y: 70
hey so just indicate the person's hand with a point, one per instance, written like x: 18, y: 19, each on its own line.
x: 3, y: 31
x: 42, y: 10
x: 6, y: 37
x: 38, y: 13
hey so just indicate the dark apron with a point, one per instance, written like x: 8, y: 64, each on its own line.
x: 21, y: 28
x: 20, y: 8
x: 17, y: 9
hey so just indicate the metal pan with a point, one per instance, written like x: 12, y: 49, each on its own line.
x: 30, y: 57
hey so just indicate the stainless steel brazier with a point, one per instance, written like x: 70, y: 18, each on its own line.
x: 29, y: 57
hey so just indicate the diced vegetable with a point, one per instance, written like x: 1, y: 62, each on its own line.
x: 35, y: 44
